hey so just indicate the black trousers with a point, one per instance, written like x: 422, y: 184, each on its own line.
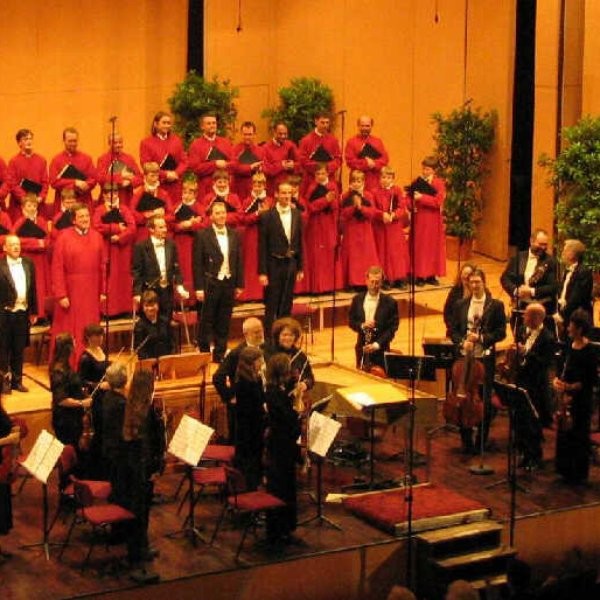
x: 279, y: 294
x: 215, y: 316
x: 14, y: 338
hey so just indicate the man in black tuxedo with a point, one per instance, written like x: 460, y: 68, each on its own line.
x: 374, y: 317
x: 218, y: 279
x: 280, y: 255
x: 530, y: 276
x: 535, y: 348
x: 576, y: 286
x: 18, y: 308
x: 224, y: 377
x: 478, y: 323
x: 155, y: 266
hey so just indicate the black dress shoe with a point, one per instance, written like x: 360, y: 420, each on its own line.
x: 419, y: 281
x: 432, y: 281
x: 20, y: 388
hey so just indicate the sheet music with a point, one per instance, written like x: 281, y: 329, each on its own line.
x: 43, y: 456
x: 321, y: 433
x: 190, y: 440
x: 361, y: 399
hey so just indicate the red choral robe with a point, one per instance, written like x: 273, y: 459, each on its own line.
x: 308, y: 145
x: 141, y: 218
x: 155, y: 149
x: 34, y: 168
x: 102, y: 170
x: 390, y: 238
x: 119, y: 254
x: 37, y: 249
x: 57, y: 226
x: 321, y: 238
x: 274, y: 155
x: 81, y: 161
x: 5, y: 228
x: 354, y: 162
x: 201, y: 166
x: 183, y: 236
x: 77, y: 273
x: 249, y: 220
x: 4, y: 189
x: 358, y: 243
x: 241, y: 184
x: 429, y: 231
x: 234, y: 207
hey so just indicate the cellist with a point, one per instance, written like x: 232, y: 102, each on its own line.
x: 478, y: 323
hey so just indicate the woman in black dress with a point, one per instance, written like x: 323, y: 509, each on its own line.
x: 250, y: 416
x: 139, y: 457
x: 575, y: 385
x: 282, y: 449
x: 458, y: 291
x: 92, y: 367
x: 152, y: 331
x: 6, y: 443
x: 68, y: 398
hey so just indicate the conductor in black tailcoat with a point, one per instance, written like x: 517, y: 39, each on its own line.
x: 218, y: 279
x: 280, y: 255
x: 374, y: 316
x: 18, y: 306
x: 155, y: 266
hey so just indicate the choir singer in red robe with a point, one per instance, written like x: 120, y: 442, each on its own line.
x: 280, y: 159
x: 247, y: 160
x: 77, y: 274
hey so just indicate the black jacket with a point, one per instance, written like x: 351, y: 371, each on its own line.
x: 579, y: 292
x: 8, y: 292
x: 145, y: 269
x: 493, y: 322
x: 273, y: 243
x: 386, y: 319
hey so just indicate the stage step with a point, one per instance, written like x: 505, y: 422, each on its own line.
x: 473, y: 551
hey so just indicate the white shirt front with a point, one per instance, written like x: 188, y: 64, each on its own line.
x: 562, y: 301
x: 161, y: 257
x: 223, y: 241
x: 285, y: 214
x: 370, y: 306
x: 532, y: 261
x: 17, y: 272
x: 532, y: 336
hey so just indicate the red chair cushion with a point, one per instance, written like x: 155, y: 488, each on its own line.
x: 103, y: 514
x: 210, y: 476
x: 219, y: 453
x: 302, y: 309
x: 255, y: 501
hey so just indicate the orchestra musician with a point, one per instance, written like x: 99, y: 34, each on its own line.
x: 574, y: 412
x: 478, y: 324
x: 575, y: 289
x: 7, y: 440
x: 530, y: 276
x: 152, y: 331
x: 535, y: 352
x: 459, y: 291
x: 374, y: 317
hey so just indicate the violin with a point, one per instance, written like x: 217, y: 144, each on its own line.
x: 464, y: 406
x: 563, y: 416
x: 87, y: 432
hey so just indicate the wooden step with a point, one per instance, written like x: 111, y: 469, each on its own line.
x: 476, y: 565
x: 460, y: 539
x: 496, y: 581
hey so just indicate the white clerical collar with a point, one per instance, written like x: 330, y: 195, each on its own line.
x: 324, y: 183
x: 222, y: 194
x: 162, y: 136
x: 319, y: 134
x: 151, y: 188
x: 81, y: 231
x: 211, y: 138
x: 277, y: 142
x: 261, y: 196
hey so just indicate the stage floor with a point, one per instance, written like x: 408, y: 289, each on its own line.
x: 29, y: 576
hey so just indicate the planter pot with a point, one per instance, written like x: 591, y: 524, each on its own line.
x: 455, y: 250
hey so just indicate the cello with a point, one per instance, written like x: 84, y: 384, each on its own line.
x: 464, y: 406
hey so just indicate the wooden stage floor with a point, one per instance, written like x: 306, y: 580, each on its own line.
x: 29, y: 576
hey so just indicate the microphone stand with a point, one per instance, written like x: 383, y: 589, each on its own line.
x: 107, y: 269
x: 338, y: 234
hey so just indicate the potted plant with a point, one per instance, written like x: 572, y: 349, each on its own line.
x: 463, y: 140
x: 195, y: 97
x: 575, y: 175
x: 299, y: 103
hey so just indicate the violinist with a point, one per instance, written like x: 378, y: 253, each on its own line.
x: 535, y: 351
x: 286, y: 334
x: 374, y: 317
x: 68, y: 398
x: 478, y: 323
x: 575, y: 386
x: 152, y: 328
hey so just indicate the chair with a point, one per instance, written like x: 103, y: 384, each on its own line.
x: 305, y: 311
x: 66, y: 465
x: 205, y: 477
x: 100, y: 517
x: 245, y: 503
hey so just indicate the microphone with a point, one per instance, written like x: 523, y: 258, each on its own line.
x: 112, y: 119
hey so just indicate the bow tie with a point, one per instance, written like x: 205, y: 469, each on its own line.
x: 284, y: 211
x: 159, y: 244
x: 221, y: 231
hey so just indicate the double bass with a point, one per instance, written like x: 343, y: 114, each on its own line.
x: 464, y: 406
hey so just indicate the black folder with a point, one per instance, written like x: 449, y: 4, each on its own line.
x: 215, y: 154
x: 71, y: 172
x: 247, y: 157
x: 228, y: 207
x: 116, y: 167
x: 184, y: 213
x: 3, y: 230
x: 421, y: 186
x: 114, y: 215
x: 66, y: 220
x: 168, y: 163
x: 149, y: 202
x: 319, y: 192
x: 32, y: 187
x: 321, y: 155
x: 368, y: 151
x: 30, y: 230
